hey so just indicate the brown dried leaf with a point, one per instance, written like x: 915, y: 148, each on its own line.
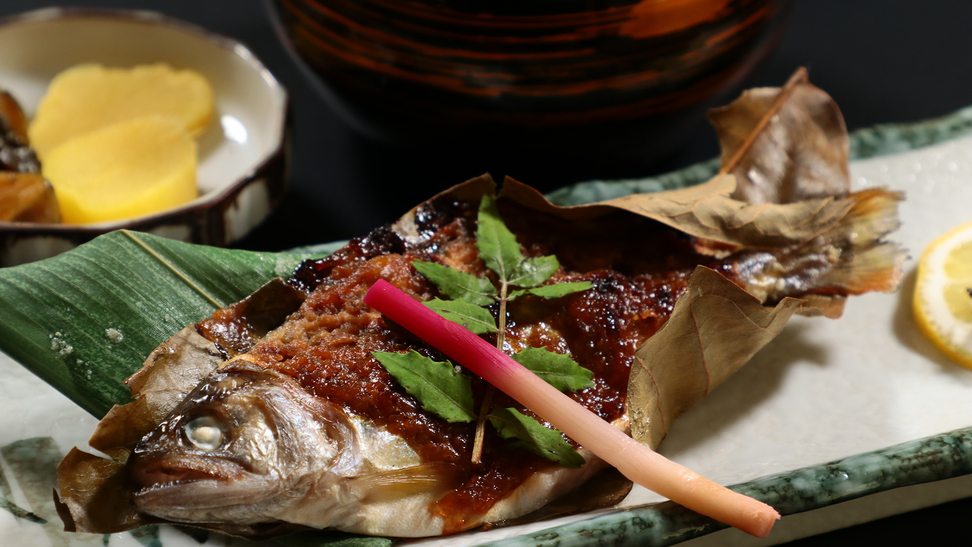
x: 784, y: 180
x: 174, y: 368
x: 87, y: 496
x: 784, y: 144
x: 88, y: 484
x: 715, y: 328
x: 237, y: 327
x: 707, y: 211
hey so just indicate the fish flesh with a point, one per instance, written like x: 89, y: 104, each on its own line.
x: 300, y: 426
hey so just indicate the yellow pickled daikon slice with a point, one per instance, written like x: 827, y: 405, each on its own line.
x: 88, y: 97
x: 133, y: 168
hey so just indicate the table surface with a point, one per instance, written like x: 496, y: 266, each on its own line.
x: 883, y: 61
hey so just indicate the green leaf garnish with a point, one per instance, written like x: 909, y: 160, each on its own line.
x: 553, y: 291
x: 534, y: 271
x: 497, y: 245
x: 533, y: 436
x: 458, y: 285
x: 500, y: 251
x: 471, y: 316
x: 556, y: 369
x: 435, y: 384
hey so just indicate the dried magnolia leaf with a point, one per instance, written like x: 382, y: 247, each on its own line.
x: 236, y: 327
x: 87, y: 495
x: 715, y: 328
x: 87, y: 483
x: 707, y: 211
x: 784, y: 145
x: 718, y: 217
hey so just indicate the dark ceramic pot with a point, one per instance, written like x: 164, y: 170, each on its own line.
x: 533, y: 74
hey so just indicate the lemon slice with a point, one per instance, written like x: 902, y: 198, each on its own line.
x: 942, y: 303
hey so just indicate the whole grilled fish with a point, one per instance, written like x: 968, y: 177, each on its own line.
x: 300, y: 424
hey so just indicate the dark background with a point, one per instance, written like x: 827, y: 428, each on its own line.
x: 882, y: 60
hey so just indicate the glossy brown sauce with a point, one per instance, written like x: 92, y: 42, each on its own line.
x: 638, y: 269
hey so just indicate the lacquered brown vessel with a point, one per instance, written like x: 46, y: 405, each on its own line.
x: 564, y: 74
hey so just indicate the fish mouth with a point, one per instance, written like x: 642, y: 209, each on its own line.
x: 164, y: 473
x: 180, y: 482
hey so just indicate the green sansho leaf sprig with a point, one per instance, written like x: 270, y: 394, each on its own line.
x: 557, y: 369
x: 530, y: 434
x: 448, y: 394
x: 437, y: 385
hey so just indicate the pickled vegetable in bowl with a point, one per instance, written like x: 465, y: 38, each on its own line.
x: 128, y: 169
x: 117, y: 143
x: 240, y: 131
x: 88, y: 97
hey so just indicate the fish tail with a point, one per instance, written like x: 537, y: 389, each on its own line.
x: 852, y: 257
x: 867, y: 262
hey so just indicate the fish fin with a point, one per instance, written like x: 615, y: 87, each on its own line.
x: 867, y: 263
x: 851, y: 257
x: 433, y: 479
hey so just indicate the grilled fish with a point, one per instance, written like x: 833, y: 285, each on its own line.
x: 300, y: 424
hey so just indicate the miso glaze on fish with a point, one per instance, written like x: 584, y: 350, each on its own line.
x: 303, y: 425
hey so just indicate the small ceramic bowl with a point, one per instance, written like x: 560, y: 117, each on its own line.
x: 242, y: 156
x: 565, y: 75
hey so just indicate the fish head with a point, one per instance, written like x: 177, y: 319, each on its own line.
x: 242, y: 446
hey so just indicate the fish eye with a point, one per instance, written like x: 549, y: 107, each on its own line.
x: 204, y: 432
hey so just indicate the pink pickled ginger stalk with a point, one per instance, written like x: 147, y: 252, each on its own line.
x: 633, y: 459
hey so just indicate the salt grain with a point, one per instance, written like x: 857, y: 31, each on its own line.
x: 115, y: 336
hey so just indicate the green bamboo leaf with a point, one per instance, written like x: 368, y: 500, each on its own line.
x: 553, y: 291
x: 533, y: 436
x: 534, y: 271
x: 86, y: 319
x: 557, y: 369
x: 457, y: 285
x: 497, y: 245
x: 476, y: 319
x: 436, y: 384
